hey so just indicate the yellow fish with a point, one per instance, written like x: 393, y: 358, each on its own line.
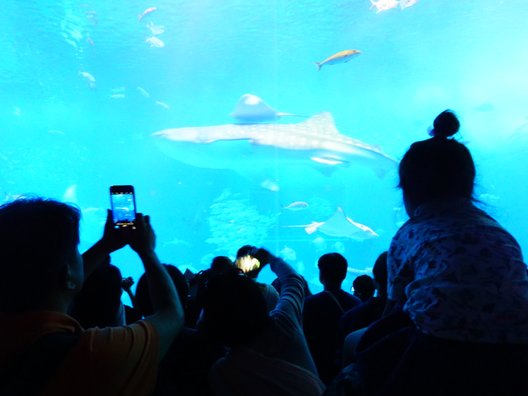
x: 339, y: 57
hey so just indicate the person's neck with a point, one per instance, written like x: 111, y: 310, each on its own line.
x: 332, y: 288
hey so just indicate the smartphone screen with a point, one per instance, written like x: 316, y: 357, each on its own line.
x: 247, y: 263
x: 123, y: 203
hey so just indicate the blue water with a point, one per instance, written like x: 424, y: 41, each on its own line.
x: 66, y: 137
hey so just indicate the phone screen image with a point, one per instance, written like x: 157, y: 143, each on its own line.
x: 247, y: 263
x: 123, y: 207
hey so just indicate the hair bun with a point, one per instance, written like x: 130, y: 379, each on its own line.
x: 446, y: 124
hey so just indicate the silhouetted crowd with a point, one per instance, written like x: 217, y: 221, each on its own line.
x: 444, y: 313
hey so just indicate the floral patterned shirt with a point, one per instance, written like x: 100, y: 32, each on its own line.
x: 460, y: 275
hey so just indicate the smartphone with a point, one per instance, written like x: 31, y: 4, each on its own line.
x: 123, y: 204
x: 247, y: 263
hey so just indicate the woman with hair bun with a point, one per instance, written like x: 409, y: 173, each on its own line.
x: 457, y: 309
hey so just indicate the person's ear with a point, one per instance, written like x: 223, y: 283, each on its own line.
x: 70, y: 282
x: 73, y: 278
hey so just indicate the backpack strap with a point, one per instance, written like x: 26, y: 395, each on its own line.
x: 30, y: 371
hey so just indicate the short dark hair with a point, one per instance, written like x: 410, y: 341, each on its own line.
x: 244, y: 250
x: 222, y: 263
x: 380, y: 271
x: 235, y: 310
x: 36, y: 236
x: 333, y: 267
x: 438, y: 168
x: 363, y: 287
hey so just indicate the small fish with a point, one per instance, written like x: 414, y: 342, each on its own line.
x: 288, y: 254
x: 485, y: 107
x: 143, y: 92
x: 146, y: 12
x: 339, y: 57
x: 163, y: 104
x: 155, y: 29
x: 384, y: 5
x: 270, y: 185
x: 92, y: 16
x: 296, y: 205
x: 319, y: 244
x: 339, y: 247
x: 118, y: 96
x: 176, y: 242
x: 89, y: 78
x: 407, y: 3
x: 155, y: 42
x: 489, y: 198
x: 90, y: 41
x: 70, y: 194
x: 118, y: 89
x: 17, y: 111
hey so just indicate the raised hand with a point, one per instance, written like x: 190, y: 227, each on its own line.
x: 113, y: 239
x: 142, y: 239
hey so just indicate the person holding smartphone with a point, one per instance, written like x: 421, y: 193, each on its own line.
x: 251, y: 267
x: 45, y: 351
x: 268, y: 352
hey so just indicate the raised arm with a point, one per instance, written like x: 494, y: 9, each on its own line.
x: 291, y: 299
x: 167, y: 318
x: 111, y: 241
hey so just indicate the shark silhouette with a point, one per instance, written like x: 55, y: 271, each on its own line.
x: 250, y: 146
x: 340, y: 226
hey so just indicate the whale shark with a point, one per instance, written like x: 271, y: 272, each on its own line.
x: 251, y: 109
x: 340, y: 226
x: 241, y: 147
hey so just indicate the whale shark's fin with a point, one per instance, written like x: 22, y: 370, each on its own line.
x: 328, y: 160
x: 251, y: 109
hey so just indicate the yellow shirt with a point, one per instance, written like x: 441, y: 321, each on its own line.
x: 109, y: 361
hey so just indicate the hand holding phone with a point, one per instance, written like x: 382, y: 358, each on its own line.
x: 123, y: 204
x: 262, y: 255
x: 143, y: 238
